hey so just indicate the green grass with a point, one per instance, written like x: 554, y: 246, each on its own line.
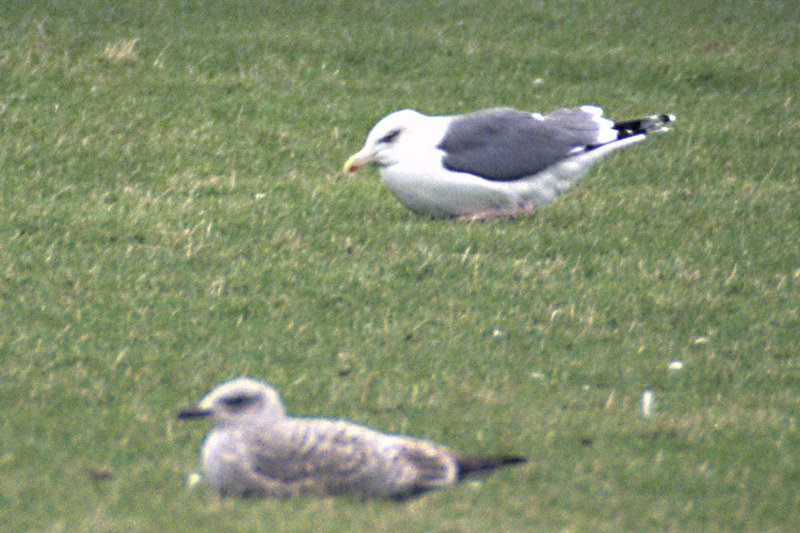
x: 172, y: 215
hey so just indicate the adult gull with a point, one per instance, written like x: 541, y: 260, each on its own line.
x: 256, y: 449
x: 494, y: 162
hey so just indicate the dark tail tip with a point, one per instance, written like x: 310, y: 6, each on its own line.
x: 474, y: 464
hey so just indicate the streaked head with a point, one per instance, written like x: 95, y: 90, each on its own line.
x: 383, y: 138
x: 238, y: 400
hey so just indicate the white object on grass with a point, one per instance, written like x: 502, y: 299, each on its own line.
x: 647, y: 403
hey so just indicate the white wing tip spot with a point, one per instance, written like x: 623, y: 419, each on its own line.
x: 592, y: 110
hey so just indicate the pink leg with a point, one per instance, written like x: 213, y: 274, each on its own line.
x: 523, y: 209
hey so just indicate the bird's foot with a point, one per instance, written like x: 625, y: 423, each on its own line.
x: 523, y: 209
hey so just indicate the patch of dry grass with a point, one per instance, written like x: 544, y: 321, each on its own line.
x: 121, y: 51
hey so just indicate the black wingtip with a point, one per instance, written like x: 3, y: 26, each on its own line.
x: 644, y: 126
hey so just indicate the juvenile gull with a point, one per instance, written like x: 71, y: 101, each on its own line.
x: 495, y: 162
x: 256, y: 449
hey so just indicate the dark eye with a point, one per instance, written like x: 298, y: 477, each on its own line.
x: 237, y: 402
x: 390, y: 137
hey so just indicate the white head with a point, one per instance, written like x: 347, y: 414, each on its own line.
x: 236, y: 401
x: 388, y: 137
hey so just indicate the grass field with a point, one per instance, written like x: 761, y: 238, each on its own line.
x: 173, y: 215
